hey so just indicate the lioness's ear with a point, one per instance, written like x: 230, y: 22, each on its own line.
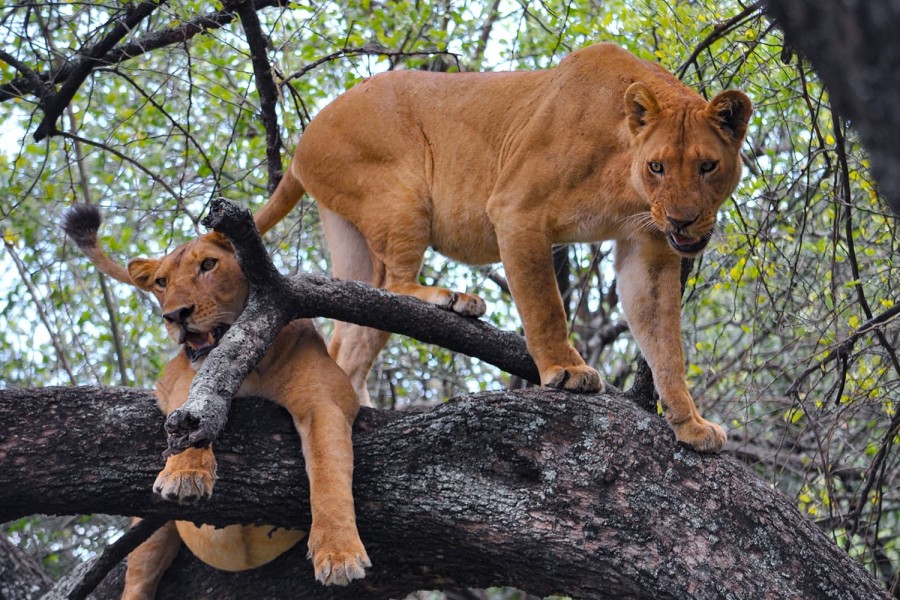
x: 640, y: 106
x: 219, y: 240
x: 731, y: 110
x: 142, y: 271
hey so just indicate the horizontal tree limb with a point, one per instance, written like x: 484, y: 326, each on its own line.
x: 550, y: 492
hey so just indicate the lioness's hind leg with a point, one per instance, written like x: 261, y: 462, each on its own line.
x: 148, y: 562
x: 354, y: 349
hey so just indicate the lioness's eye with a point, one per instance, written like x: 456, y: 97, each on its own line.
x: 160, y: 282
x: 708, y: 166
x: 208, y: 264
x: 655, y: 167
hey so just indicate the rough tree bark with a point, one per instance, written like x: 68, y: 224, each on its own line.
x: 542, y: 490
x: 852, y: 46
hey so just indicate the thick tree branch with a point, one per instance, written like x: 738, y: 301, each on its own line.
x: 542, y: 490
x: 275, y: 300
x: 22, y: 576
x: 82, y: 580
x: 851, y: 45
x: 91, y: 58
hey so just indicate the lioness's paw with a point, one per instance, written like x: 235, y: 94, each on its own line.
x: 468, y: 305
x: 337, y: 564
x: 701, y: 435
x: 576, y: 379
x: 184, y: 486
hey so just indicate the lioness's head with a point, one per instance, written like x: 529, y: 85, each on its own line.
x: 686, y: 159
x: 199, y: 287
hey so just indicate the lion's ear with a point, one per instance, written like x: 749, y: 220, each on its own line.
x: 640, y: 106
x: 142, y: 272
x: 730, y: 111
x: 219, y: 240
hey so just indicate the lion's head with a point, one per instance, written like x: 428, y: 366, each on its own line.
x: 199, y: 287
x: 686, y: 160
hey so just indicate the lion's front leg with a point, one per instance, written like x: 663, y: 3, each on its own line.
x: 336, y: 551
x: 527, y: 260
x: 650, y: 289
x: 190, y: 475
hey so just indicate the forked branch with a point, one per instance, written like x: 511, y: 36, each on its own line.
x: 275, y: 300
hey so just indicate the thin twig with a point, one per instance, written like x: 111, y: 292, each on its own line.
x: 265, y: 84
x: 719, y: 31
x: 39, y: 306
x: 118, y: 346
x: 365, y: 50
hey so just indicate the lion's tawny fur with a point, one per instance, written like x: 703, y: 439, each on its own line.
x: 487, y: 167
x: 201, y: 289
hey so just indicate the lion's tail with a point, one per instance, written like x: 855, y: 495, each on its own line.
x: 81, y: 223
x: 283, y: 199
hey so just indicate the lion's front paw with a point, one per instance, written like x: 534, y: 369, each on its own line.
x: 337, y: 562
x: 575, y: 378
x: 701, y: 435
x: 187, y: 477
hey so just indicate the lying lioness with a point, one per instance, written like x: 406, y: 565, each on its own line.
x: 502, y: 166
x: 202, y: 291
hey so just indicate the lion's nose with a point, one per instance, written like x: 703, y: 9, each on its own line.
x: 680, y: 223
x: 179, y: 315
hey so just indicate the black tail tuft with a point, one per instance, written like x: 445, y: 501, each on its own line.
x: 81, y: 223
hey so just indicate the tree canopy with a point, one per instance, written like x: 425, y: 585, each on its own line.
x: 789, y: 317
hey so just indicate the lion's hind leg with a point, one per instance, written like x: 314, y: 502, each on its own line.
x: 148, y: 562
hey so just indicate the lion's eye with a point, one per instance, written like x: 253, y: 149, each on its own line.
x: 656, y: 167
x: 708, y: 166
x: 160, y: 282
x: 208, y: 264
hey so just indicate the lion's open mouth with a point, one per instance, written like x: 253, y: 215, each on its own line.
x: 687, y: 244
x: 198, y: 344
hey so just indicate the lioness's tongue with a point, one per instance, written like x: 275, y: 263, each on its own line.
x: 683, y: 240
x: 199, y: 339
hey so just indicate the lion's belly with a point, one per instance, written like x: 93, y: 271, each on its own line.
x: 237, y: 547
x: 463, y: 232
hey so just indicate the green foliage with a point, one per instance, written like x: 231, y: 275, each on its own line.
x: 766, y: 309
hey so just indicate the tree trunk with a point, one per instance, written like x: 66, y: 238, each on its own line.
x: 852, y: 46
x: 549, y: 492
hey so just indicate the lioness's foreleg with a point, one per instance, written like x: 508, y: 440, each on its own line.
x: 323, y: 405
x: 649, y: 286
x: 527, y: 260
x: 148, y: 562
x: 190, y: 475
x: 336, y: 551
